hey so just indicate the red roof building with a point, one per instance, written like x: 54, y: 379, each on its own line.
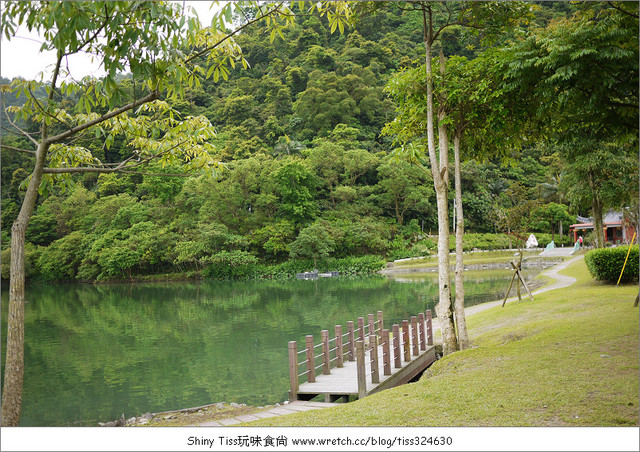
x: 616, y: 229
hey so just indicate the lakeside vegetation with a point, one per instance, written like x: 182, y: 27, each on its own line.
x: 307, y: 171
x: 570, y: 358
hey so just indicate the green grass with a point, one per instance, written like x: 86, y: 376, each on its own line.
x: 471, y: 258
x: 570, y: 358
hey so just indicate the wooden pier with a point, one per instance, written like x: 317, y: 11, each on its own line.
x: 365, y: 359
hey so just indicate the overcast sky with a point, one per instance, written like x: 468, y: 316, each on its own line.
x: 21, y: 57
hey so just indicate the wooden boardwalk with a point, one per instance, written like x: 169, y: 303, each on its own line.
x: 362, y: 361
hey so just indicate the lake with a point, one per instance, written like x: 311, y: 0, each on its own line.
x: 93, y: 352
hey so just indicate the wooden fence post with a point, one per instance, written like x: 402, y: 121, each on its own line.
x: 351, y: 339
x: 293, y: 371
x: 311, y: 367
x: 414, y: 334
x: 405, y: 340
x: 397, y: 361
x: 372, y: 326
x: 386, y: 352
x: 375, y: 368
x: 423, y: 341
x: 361, y: 329
x: 362, y: 378
x: 429, y: 327
x: 380, y: 322
x: 326, y: 361
x: 339, y: 354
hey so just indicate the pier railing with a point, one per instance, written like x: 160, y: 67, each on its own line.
x: 407, y: 339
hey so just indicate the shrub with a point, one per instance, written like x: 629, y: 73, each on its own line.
x: 605, y: 264
x: 544, y: 239
x: 346, y: 266
x: 60, y: 260
x: 232, y: 265
x: 31, y: 268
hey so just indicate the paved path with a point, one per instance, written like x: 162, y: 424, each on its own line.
x: 300, y: 405
x: 560, y: 282
x: 558, y: 251
x: 287, y: 408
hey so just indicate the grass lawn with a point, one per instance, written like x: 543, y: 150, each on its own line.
x: 570, y: 358
x: 471, y: 258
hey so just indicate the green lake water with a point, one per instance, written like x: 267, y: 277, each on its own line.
x: 93, y: 352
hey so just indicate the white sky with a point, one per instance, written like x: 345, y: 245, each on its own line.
x: 21, y: 57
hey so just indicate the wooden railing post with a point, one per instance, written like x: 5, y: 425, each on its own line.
x: 339, y: 354
x: 326, y: 361
x: 386, y: 353
x: 361, y: 329
x: 414, y: 334
x: 380, y: 322
x: 375, y: 367
x: 311, y: 367
x: 429, y: 327
x: 423, y: 341
x: 405, y: 339
x: 293, y: 371
x: 397, y: 360
x: 351, y: 339
x: 372, y: 326
x: 362, y: 377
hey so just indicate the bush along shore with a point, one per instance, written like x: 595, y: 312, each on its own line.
x: 66, y: 265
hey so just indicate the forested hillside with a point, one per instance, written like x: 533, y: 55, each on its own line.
x: 307, y: 173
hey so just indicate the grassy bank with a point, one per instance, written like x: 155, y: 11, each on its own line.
x: 570, y: 358
x: 470, y: 258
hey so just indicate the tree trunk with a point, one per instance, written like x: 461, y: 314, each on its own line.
x: 443, y: 308
x: 443, y: 138
x: 461, y: 322
x: 14, y: 364
x: 596, y: 208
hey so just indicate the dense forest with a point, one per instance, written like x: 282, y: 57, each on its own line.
x: 307, y: 174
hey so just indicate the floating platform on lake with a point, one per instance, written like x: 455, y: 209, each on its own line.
x: 362, y: 361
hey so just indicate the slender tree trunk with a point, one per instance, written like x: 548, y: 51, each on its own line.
x: 443, y: 308
x: 14, y: 364
x: 443, y: 138
x: 596, y: 207
x: 461, y: 322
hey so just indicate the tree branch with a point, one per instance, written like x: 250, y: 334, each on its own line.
x: 118, y: 167
x: 86, y: 169
x: 11, y: 148
x: 42, y: 109
x: 33, y: 140
x: 230, y: 35
x: 628, y: 13
x: 60, y: 137
x: 95, y: 35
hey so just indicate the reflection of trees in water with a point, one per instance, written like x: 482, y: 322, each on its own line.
x: 96, y: 351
